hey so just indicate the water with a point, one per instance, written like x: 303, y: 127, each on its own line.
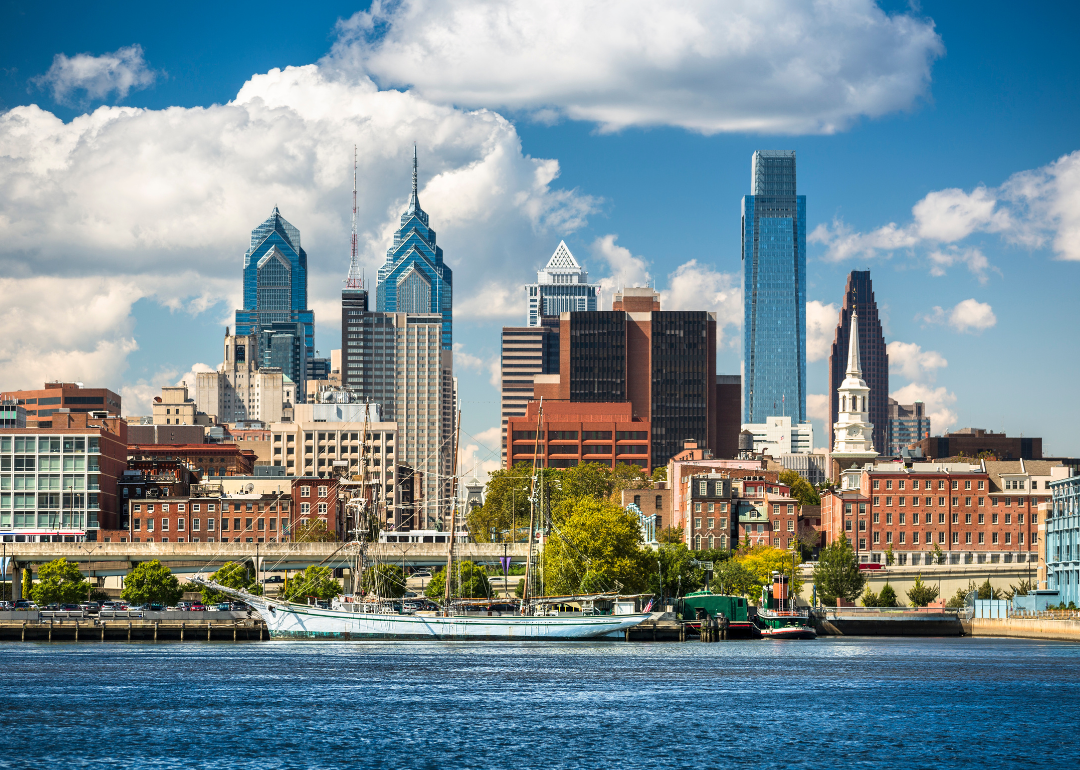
x: 829, y: 703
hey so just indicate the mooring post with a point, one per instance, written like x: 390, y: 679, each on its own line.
x: 682, y: 632
x: 129, y: 630
x: 155, y: 629
x: 208, y: 630
x: 23, y: 631
x: 50, y: 629
x: 182, y: 631
x: 76, y: 630
x: 234, y: 632
x: 103, y: 630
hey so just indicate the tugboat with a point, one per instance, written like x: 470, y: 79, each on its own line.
x: 779, y: 617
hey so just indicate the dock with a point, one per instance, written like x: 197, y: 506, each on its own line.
x: 90, y: 629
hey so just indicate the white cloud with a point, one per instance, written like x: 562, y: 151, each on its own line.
x: 123, y: 203
x: 481, y: 455
x: 765, y: 66
x: 938, y: 404
x: 1031, y: 208
x: 821, y: 321
x: 968, y: 316
x: 493, y: 300
x: 491, y: 365
x: 124, y: 70
x: 912, y: 362
x: 817, y: 406
x: 697, y: 287
x: 626, y: 269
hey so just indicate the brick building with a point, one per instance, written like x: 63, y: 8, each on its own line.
x: 207, y: 459
x: 574, y: 433
x: 972, y: 442
x: 55, y: 397
x: 655, y: 501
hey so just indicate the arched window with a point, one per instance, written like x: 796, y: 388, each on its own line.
x: 843, y: 403
x: 697, y: 542
x: 710, y: 542
x: 723, y: 542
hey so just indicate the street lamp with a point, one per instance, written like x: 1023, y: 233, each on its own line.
x: 90, y: 561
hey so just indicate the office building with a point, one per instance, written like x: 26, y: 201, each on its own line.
x: 778, y: 436
x: 874, y: 358
x: 978, y: 442
x: 175, y: 407
x: 209, y: 460
x: 414, y: 279
x: 526, y: 352
x: 12, y: 415
x: 275, y: 310
x: 908, y: 424
x: 62, y: 397
x: 562, y: 286
x: 774, y: 291
x: 243, y: 389
x: 1062, y: 559
x: 728, y: 414
x: 575, y: 433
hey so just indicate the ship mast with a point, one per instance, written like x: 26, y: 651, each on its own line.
x: 453, y: 516
x: 532, y: 509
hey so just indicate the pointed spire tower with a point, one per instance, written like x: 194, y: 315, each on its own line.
x: 853, y: 433
x: 356, y: 276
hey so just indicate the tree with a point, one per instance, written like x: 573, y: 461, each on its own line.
x: 594, y: 536
x: 232, y: 574
x: 387, y: 580
x: 630, y: 476
x: 672, y: 571
x: 837, y: 573
x: 987, y: 591
x: 659, y: 474
x: 890, y: 557
x: 733, y: 578
x: 921, y: 594
x: 801, y: 489
x: 151, y: 582
x: 869, y: 598
x: 587, y: 480
x: 763, y: 561
x: 314, y: 582
x: 98, y: 595
x: 506, y: 504
x: 670, y: 535
x: 960, y: 597
x: 1025, y: 587
x: 312, y: 531
x: 887, y: 597
x: 60, y: 582
x: 939, y: 555
x: 469, y: 580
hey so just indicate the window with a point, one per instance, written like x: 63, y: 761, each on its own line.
x: 982, y: 518
x: 305, y: 491
x: 955, y: 485
x: 776, y: 542
x: 149, y: 525
x: 322, y: 509
x: 862, y: 509
x: 888, y: 537
x: 967, y: 518
x: 209, y: 527
x: 847, y: 525
x: 273, y: 525
x: 967, y: 538
x: 697, y: 542
x: 305, y: 509
x: 955, y: 501
x: 180, y: 524
x: 703, y: 488
x: 877, y: 501
x: 981, y: 499
x: 711, y: 507
x: 941, y: 484
x: 776, y: 510
x: 1008, y: 538
x: 776, y: 525
x: 697, y: 507
x: 322, y: 491
x: 194, y: 525
x: 888, y: 502
x: 981, y: 482
x: 164, y: 507
x: 915, y: 484
x: 956, y: 538
x: 967, y: 484
x: 902, y: 519
x: 876, y: 517
x: 710, y: 522
x: 259, y: 524
x: 982, y: 538
x: 247, y: 525
x: 914, y: 518
x: 697, y: 522
x: 994, y: 519
x: 914, y: 538
x: 1021, y: 539
x: 900, y: 484
x: 225, y: 525
x: 136, y: 524
x: 659, y: 502
x: 901, y: 501
x: 877, y: 537
x: 876, y: 483
x: 1019, y: 518
x: 791, y: 525
x: 888, y: 483
x: 888, y: 518
x: 967, y: 502
x: 902, y: 536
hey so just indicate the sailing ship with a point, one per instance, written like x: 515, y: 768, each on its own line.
x: 779, y: 617
x: 375, y: 617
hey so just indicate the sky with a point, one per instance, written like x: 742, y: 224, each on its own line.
x: 936, y: 146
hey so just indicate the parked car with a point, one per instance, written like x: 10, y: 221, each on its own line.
x: 197, y: 607
x: 223, y: 607
x: 25, y: 604
x: 70, y: 608
x: 422, y: 574
x: 113, y: 606
x: 6, y: 607
x: 155, y: 607
x: 90, y: 608
x: 184, y: 606
x: 274, y: 579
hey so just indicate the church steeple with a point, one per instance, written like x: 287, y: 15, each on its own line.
x: 853, y: 433
x: 854, y: 366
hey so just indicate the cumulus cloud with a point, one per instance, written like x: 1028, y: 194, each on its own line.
x: 969, y: 316
x: 920, y: 367
x: 122, y: 71
x: 1032, y: 209
x: 821, y: 321
x: 124, y: 203
x: 625, y: 268
x: 480, y: 454
x: 767, y: 66
x: 490, y: 364
x: 698, y: 287
x: 912, y: 362
x: 938, y: 404
x: 817, y: 406
x: 493, y: 300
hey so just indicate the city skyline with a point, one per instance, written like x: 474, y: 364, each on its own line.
x: 960, y: 216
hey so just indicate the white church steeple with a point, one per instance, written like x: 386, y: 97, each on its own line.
x: 853, y: 432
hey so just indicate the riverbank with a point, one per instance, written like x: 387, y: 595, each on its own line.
x: 1027, y: 628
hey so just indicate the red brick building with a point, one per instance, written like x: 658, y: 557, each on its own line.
x: 42, y: 404
x: 574, y: 433
x: 207, y: 460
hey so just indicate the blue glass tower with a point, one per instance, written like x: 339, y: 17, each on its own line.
x: 774, y: 291
x: 275, y: 299
x: 414, y: 278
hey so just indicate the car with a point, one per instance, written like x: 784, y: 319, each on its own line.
x: 421, y: 574
x: 223, y: 607
x: 410, y: 595
x: 90, y: 608
x: 197, y: 607
x: 274, y: 579
x: 25, y: 604
x: 184, y: 606
x: 238, y: 607
x: 70, y: 608
x: 6, y: 607
x: 155, y: 607
x: 112, y: 606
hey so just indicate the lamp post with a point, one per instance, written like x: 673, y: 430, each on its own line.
x: 90, y: 562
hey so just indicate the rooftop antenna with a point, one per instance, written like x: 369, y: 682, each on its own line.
x: 356, y: 276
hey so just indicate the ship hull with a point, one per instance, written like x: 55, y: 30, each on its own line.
x: 789, y: 632
x: 292, y: 622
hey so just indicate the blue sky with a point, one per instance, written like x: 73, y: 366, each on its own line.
x: 139, y: 220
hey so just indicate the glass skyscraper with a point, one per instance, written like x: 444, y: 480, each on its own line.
x: 275, y: 299
x: 561, y: 287
x: 774, y: 291
x: 414, y: 279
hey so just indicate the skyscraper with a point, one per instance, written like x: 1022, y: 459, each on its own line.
x: 774, y: 291
x: 874, y: 358
x: 414, y: 279
x: 275, y: 308
x: 562, y: 286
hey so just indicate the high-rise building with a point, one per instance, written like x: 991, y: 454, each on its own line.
x: 874, y: 358
x: 562, y: 286
x: 908, y: 424
x: 60, y: 398
x: 354, y: 306
x: 526, y: 352
x: 853, y: 434
x: 414, y: 279
x: 242, y: 389
x: 774, y: 291
x: 275, y: 308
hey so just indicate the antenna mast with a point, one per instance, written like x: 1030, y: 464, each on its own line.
x: 356, y: 278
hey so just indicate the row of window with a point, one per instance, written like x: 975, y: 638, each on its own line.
x: 50, y: 444
x: 238, y: 524
x: 929, y: 502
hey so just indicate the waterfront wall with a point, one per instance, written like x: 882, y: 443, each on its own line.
x: 947, y: 577
x: 1027, y: 628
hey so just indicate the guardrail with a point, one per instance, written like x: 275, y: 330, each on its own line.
x: 114, y: 614
x: 62, y: 615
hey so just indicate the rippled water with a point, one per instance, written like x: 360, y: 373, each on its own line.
x: 829, y: 703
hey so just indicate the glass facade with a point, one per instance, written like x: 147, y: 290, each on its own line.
x: 275, y: 299
x: 1063, y: 540
x: 561, y: 287
x: 680, y: 377
x: 49, y: 485
x: 774, y: 291
x: 598, y: 356
x: 414, y: 279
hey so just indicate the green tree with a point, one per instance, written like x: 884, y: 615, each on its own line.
x: 314, y: 582
x: 232, y: 574
x: 629, y: 476
x: 869, y: 598
x: 60, y: 582
x: 594, y: 536
x: 801, y: 489
x: 659, y: 474
x: 890, y: 557
x: 672, y: 562
x: 960, y: 597
x: 469, y: 580
x: 670, y: 535
x: 887, y: 597
x: 939, y: 555
x: 763, y: 561
x: 921, y: 594
x: 837, y: 573
x: 587, y: 480
x: 506, y: 504
x: 733, y: 578
x: 987, y: 591
x: 386, y: 580
x: 312, y: 531
x: 1025, y: 587
x: 151, y: 582
x: 98, y: 595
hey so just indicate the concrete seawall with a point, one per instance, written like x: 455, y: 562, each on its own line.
x: 1028, y: 628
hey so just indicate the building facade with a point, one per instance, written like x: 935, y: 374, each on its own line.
x: 728, y: 415
x: 62, y: 397
x: 175, y: 407
x: 526, y: 351
x: 873, y: 357
x: 354, y: 306
x: 778, y: 436
x: 774, y: 291
x: 208, y: 460
x: 1062, y: 558
x: 908, y: 424
x: 414, y: 279
x: 575, y: 433
x: 243, y: 389
x: 562, y: 286
x: 975, y: 442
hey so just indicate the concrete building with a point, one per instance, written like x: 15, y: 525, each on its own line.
x: 562, y: 286
x: 62, y: 397
x: 812, y: 467
x: 728, y: 412
x: 778, y: 436
x: 574, y: 433
x: 174, y: 407
x: 907, y: 424
x: 12, y: 415
x: 976, y: 442
x: 873, y: 357
x: 59, y: 484
x: 243, y: 389
x: 208, y: 460
x: 1062, y: 549
x: 526, y: 352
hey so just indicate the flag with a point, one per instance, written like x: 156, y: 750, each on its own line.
x: 648, y: 607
